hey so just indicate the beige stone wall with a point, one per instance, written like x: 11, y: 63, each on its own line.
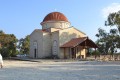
x: 45, y: 41
x: 68, y: 34
x: 36, y: 36
x: 55, y: 37
x: 47, y: 45
x: 67, y: 53
x: 54, y: 29
x: 114, y: 57
x: 78, y: 53
x: 55, y: 24
x: 61, y: 53
x: 83, y: 53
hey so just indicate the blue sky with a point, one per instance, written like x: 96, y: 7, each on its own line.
x: 21, y: 17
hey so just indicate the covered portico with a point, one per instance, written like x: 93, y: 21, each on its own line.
x: 78, y: 47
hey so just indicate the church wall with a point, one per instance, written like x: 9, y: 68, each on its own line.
x: 55, y: 24
x: 37, y: 37
x: 66, y: 51
x: 55, y: 39
x: 47, y: 45
x: 61, y: 53
x: 83, y: 52
x: 54, y: 29
x: 78, y: 52
x: 55, y: 32
x: 66, y: 35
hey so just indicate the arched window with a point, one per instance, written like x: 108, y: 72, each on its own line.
x: 35, y: 49
x: 54, y: 48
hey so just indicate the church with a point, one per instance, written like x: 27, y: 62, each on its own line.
x: 58, y: 39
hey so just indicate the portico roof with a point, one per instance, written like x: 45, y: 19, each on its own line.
x: 83, y: 41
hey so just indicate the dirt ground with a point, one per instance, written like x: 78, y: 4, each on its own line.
x: 57, y: 70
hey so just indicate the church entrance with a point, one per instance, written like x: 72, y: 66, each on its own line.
x: 73, y: 52
x: 35, y: 53
x: 35, y: 49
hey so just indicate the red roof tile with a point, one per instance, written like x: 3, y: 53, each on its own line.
x: 55, y: 16
x: 74, y: 42
x: 80, y: 41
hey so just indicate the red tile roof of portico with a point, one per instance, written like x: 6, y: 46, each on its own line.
x: 83, y: 41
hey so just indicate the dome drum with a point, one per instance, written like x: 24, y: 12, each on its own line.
x: 55, y: 24
x: 55, y: 20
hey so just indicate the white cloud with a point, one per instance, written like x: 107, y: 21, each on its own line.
x: 114, y: 7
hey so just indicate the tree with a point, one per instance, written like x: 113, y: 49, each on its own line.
x: 1, y: 32
x: 8, y: 44
x: 107, y: 42
x: 110, y: 42
x: 113, y: 20
x: 24, y: 45
x: 101, y: 42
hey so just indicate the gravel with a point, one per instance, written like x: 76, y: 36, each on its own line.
x: 78, y: 70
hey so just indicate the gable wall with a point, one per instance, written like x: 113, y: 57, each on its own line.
x: 66, y: 35
x: 36, y: 36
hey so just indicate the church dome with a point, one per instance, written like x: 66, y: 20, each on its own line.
x: 55, y: 16
x: 55, y: 20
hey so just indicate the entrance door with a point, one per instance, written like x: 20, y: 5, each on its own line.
x: 35, y: 49
x: 73, y: 52
x: 35, y: 53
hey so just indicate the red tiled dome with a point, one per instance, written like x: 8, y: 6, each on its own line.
x: 55, y: 16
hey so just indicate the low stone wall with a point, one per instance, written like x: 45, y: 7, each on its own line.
x: 105, y: 57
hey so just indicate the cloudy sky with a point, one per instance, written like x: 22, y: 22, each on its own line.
x: 21, y: 17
